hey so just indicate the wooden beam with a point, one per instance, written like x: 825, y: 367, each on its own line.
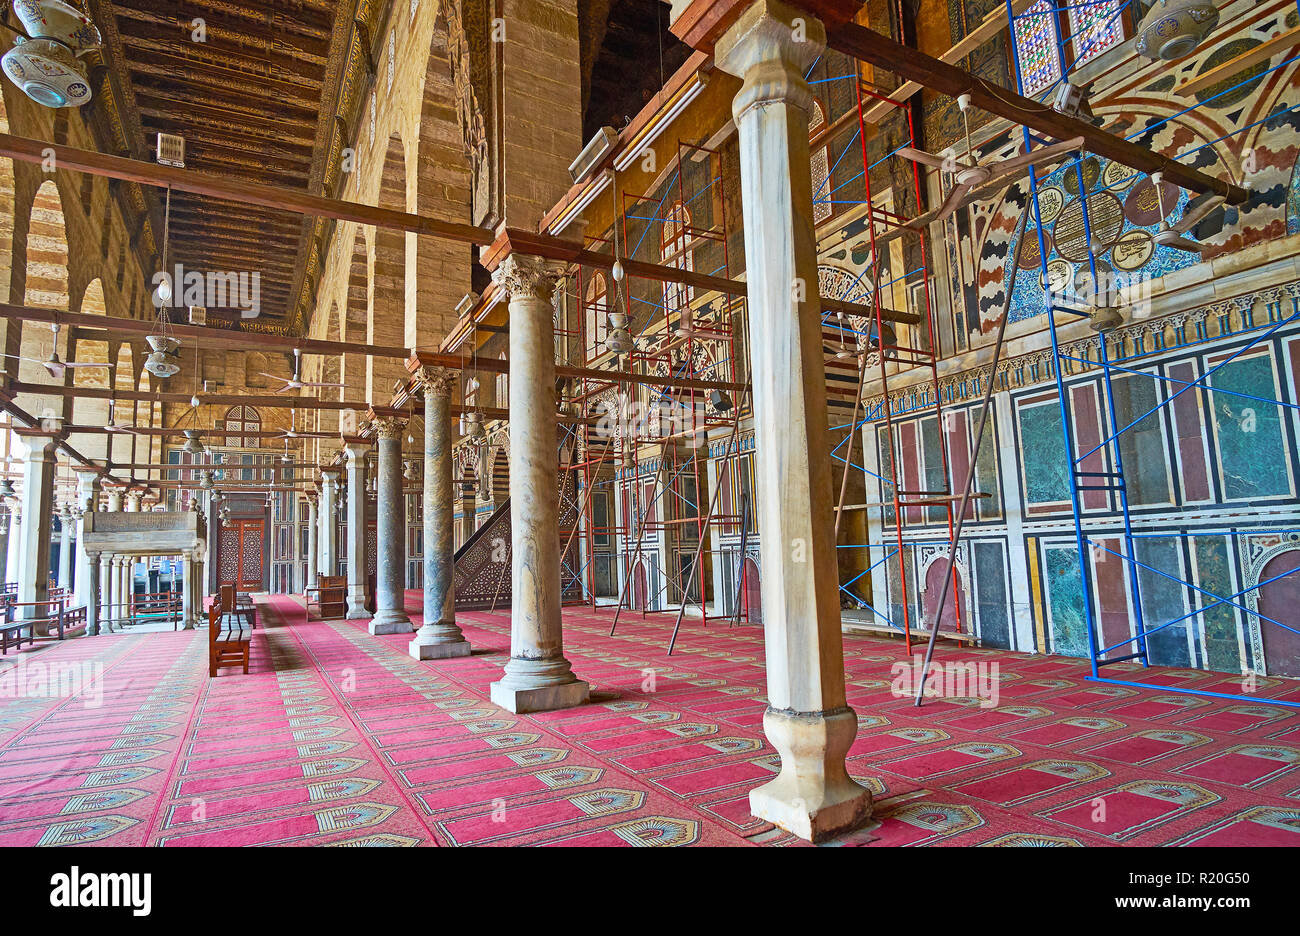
x: 989, y: 27
x: 206, y: 399
x: 202, y: 336
x: 883, y: 52
x: 247, y: 193
x: 513, y: 240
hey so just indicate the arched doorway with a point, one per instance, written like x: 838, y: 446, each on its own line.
x: 640, y: 597
x: 751, y: 592
x: 1278, y: 600
x: 954, y: 608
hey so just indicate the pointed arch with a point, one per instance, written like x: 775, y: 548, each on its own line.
x: 389, y: 313
x: 444, y: 189
x: 353, y: 322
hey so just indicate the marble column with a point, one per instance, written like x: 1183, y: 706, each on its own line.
x: 88, y: 483
x: 537, y: 677
x: 127, y: 573
x: 106, y: 579
x: 356, y: 454
x: 6, y: 523
x: 771, y: 47
x: 328, y: 540
x: 313, y: 541
x: 390, y: 531
x: 14, y: 563
x: 88, y: 588
x: 66, y: 520
x: 133, y: 499
x: 190, y: 590
x: 438, y: 637
x: 38, y: 514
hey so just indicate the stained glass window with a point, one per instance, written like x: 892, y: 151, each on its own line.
x: 1095, y: 26
x: 1038, y: 47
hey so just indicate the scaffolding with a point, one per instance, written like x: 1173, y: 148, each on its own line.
x: 1101, y: 467
x: 879, y: 354
x: 642, y: 451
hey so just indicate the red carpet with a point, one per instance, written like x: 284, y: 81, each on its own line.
x: 337, y: 737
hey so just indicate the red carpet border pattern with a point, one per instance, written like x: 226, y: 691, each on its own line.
x: 339, y: 738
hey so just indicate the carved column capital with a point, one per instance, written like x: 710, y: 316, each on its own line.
x: 438, y: 381
x: 525, y: 277
x: 388, y: 427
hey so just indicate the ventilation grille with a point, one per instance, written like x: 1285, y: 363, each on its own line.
x: 171, y: 150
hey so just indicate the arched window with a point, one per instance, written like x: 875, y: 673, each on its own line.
x: 241, y: 426
x: 1095, y: 27
x: 676, y: 252
x: 1038, y: 47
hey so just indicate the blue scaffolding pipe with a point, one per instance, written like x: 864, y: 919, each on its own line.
x: 1185, y: 383
x: 1217, y: 533
x: 1062, y: 396
x: 1217, y: 94
x: 1197, y: 382
x: 1183, y: 690
x: 1209, y: 607
x: 1204, y: 591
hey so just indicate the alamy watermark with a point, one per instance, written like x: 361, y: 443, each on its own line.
x: 37, y: 680
x: 953, y: 679
x: 179, y: 288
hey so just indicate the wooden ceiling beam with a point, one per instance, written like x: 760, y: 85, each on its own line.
x: 908, y: 63
x: 203, y: 183
x: 262, y: 401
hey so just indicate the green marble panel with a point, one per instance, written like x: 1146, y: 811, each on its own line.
x: 1214, y: 574
x: 1065, y: 601
x: 1252, y: 455
x: 1142, y: 447
x: 1162, y: 601
x: 1042, y: 446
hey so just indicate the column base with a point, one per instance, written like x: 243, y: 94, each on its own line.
x: 813, y: 796
x: 357, y: 606
x: 538, y: 686
x: 389, y: 622
x: 438, y: 651
x: 521, y: 700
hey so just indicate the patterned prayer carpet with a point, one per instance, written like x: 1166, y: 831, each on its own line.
x: 339, y: 738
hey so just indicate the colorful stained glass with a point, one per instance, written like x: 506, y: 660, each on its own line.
x: 1038, y: 47
x: 1095, y: 26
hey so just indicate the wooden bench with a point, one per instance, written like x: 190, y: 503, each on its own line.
x: 11, y: 635
x: 54, y: 615
x: 236, y: 606
x: 329, y: 597
x: 228, y: 640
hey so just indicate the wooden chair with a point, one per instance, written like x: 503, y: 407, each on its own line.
x: 228, y: 641
x: 329, y: 597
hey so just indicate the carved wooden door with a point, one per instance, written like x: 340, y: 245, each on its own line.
x: 241, y: 551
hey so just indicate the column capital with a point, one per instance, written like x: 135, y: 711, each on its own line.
x: 439, y: 381
x: 525, y: 277
x: 356, y: 452
x: 389, y: 428
x: 771, y: 46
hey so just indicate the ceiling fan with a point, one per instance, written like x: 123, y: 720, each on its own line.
x: 972, y: 181
x: 296, y: 383
x: 111, y: 425
x: 293, y: 433
x: 1197, y: 210
x: 55, y: 366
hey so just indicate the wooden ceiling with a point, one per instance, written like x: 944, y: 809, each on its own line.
x: 253, y: 100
